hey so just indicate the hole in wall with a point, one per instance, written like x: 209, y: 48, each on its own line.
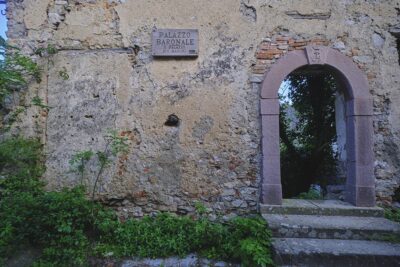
x: 172, y: 121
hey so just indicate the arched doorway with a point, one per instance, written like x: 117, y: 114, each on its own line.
x: 360, y: 182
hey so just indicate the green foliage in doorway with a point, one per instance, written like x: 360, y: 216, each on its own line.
x: 307, y: 130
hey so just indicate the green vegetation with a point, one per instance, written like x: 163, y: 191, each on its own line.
x: 37, y: 101
x: 311, y: 194
x: 392, y: 238
x: 15, y: 70
x: 242, y: 239
x: 46, y: 51
x: 307, y: 130
x: 392, y: 214
x: 69, y: 228
x: 63, y: 74
x: 115, y: 145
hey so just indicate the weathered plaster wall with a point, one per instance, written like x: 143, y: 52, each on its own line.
x: 214, y: 155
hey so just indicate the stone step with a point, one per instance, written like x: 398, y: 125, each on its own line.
x: 320, y: 207
x: 332, y: 227
x: 333, y: 253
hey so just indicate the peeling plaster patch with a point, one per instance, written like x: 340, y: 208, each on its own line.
x: 202, y: 128
x: 176, y: 91
x: 248, y: 11
x: 318, y: 15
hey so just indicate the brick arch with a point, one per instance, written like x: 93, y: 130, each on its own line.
x: 360, y: 182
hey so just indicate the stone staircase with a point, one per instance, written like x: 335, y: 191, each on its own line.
x: 331, y: 233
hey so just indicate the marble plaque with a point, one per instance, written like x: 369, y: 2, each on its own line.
x: 175, y: 43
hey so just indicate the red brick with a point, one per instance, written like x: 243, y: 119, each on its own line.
x: 299, y: 43
x: 266, y: 46
x: 282, y: 38
x: 263, y: 55
x: 371, y: 76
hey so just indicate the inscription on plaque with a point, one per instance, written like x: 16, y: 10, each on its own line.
x: 175, y: 43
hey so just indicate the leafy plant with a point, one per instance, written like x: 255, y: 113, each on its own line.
x: 37, y: 101
x: 392, y: 213
x: 69, y: 228
x: 200, y: 208
x: 311, y: 194
x: 245, y: 240
x: 46, y: 51
x: 115, y: 144
x: 20, y: 165
x: 79, y: 160
x: 15, y: 70
x: 64, y: 74
x: 12, y: 117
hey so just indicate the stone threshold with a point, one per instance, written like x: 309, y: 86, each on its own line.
x: 320, y: 207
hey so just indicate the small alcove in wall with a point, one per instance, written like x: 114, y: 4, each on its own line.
x: 360, y: 182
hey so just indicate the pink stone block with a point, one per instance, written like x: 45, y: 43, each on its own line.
x: 282, y: 68
x: 271, y: 170
x: 360, y: 175
x: 359, y: 107
x: 270, y: 135
x: 271, y: 194
x: 361, y: 196
x: 269, y: 106
x: 359, y: 131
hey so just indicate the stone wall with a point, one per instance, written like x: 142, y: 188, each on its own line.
x: 104, y: 77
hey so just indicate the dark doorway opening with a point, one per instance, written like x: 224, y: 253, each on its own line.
x: 312, y: 134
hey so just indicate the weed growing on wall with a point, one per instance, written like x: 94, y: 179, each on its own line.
x: 115, y: 145
x: 16, y: 70
x: 37, y: 101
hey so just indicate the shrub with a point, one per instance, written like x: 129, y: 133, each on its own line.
x: 20, y: 166
x: 392, y: 214
x: 311, y: 194
x: 69, y: 228
x: 245, y: 240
